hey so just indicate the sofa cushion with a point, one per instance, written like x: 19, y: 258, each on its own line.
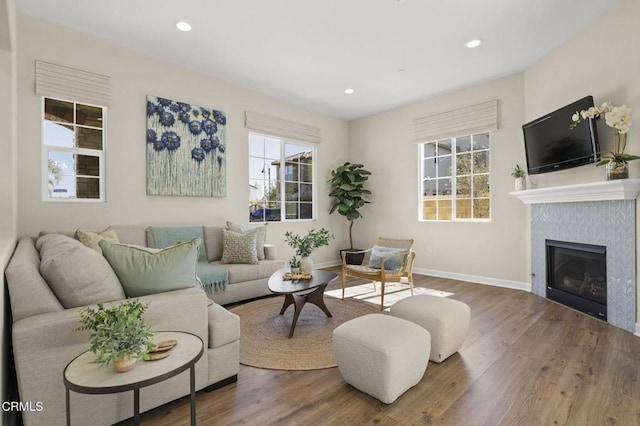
x: 261, y: 237
x: 163, y: 236
x: 91, y: 239
x: 143, y: 270
x: 239, y: 273
x: 239, y: 247
x: 76, y: 274
x: 213, y: 242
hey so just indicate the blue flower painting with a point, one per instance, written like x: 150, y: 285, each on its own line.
x: 185, y: 149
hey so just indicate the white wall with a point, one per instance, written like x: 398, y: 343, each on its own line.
x: 8, y: 179
x: 134, y: 76
x: 492, y: 252
x: 602, y: 61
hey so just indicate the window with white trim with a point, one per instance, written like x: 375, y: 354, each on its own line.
x: 73, y: 151
x: 455, y: 179
x: 281, y: 179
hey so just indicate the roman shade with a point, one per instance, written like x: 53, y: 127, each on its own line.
x: 70, y: 84
x: 280, y: 127
x: 459, y: 122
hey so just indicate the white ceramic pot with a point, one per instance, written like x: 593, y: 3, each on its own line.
x: 521, y: 184
x: 306, y: 264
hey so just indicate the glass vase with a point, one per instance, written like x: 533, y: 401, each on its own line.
x: 617, y: 170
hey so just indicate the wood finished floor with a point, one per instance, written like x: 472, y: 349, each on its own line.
x: 526, y: 361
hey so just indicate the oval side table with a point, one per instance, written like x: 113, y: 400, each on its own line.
x: 83, y: 376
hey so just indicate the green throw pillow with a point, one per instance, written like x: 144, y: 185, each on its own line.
x: 144, y: 271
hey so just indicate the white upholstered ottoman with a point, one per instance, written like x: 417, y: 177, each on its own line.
x: 381, y: 355
x: 446, y: 319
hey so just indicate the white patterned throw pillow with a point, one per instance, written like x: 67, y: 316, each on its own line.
x: 239, y: 247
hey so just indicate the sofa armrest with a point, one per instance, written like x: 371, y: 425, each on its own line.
x: 224, y: 326
x: 270, y: 252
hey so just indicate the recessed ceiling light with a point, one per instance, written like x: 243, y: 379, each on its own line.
x: 349, y: 91
x: 474, y: 43
x: 183, y: 26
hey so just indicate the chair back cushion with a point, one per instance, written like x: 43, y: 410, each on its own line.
x: 393, y: 257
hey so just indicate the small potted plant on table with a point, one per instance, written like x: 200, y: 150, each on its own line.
x: 119, y: 334
x: 294, y: 263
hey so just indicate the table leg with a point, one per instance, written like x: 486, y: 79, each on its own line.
x: 317, y: 298
x: 136, y: 406
x: 68, y: 407
x: 192, y: 376
x: 299, y: 302
x: 288, y: 300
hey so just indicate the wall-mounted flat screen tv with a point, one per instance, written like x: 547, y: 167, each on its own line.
x: 551, y: 145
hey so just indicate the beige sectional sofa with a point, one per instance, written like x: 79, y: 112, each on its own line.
x: 44, y: 340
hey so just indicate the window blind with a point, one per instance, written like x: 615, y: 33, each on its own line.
x: 280, y: 127
x: 463, y: 121
x: 70, y: 84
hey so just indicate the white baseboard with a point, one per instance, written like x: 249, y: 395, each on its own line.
x: 497, y: 282
x: 637, y: 333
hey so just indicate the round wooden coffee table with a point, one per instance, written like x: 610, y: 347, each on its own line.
x: 299, y: 292
x: 83, y: 376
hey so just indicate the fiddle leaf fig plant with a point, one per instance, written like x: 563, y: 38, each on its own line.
x: 118, y: 331
x: 347, y: 187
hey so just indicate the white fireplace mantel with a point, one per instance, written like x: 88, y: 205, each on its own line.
x: 622, y: 189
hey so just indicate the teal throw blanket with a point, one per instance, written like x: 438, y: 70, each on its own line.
x: 213, y: 278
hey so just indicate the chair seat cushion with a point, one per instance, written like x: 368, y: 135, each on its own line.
x: 363, y: 269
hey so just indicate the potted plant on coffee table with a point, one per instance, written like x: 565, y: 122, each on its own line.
x: 305, y: 245
x: 347, y: 188
x: 119, y: 334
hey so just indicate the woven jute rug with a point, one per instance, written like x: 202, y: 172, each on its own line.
x: 263, y: 333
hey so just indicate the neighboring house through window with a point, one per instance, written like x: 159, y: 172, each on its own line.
x: 282, y: 174
x: 456, y: 179
x: 73, y: 151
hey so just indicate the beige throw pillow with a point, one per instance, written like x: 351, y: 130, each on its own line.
x: 239, y: 247
x: 76, y: 274
x: 261, y: 237
x: 91, y: 239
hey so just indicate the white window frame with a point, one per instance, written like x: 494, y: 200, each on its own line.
x: 101, y: 154
x: 282, y: 201
x: 454, y: 196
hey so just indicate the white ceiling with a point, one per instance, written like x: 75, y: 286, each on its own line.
x: 307, y: 52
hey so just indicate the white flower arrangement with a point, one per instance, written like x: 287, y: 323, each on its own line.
x: 616, y: 117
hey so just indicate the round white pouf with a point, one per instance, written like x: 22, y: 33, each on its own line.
x: 381, y: 355
x: 446, y: 319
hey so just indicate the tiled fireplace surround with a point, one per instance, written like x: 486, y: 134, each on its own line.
x: 601, y: 213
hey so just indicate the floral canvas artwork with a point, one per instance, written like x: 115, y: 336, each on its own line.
x: 185, y: 149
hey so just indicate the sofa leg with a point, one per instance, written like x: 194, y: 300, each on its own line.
x: 221, y: 383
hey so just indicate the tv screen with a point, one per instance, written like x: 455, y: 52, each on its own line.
x: 551, y: 145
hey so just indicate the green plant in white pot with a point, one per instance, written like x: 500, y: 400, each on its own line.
x: 347, y: 188
x: 519, y: 174
x: 119, y: 334
x: 305, y: 245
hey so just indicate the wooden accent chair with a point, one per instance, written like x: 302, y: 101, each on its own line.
x: 393, y: 264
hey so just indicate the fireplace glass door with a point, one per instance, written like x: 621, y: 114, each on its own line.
x: 577, y: 276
